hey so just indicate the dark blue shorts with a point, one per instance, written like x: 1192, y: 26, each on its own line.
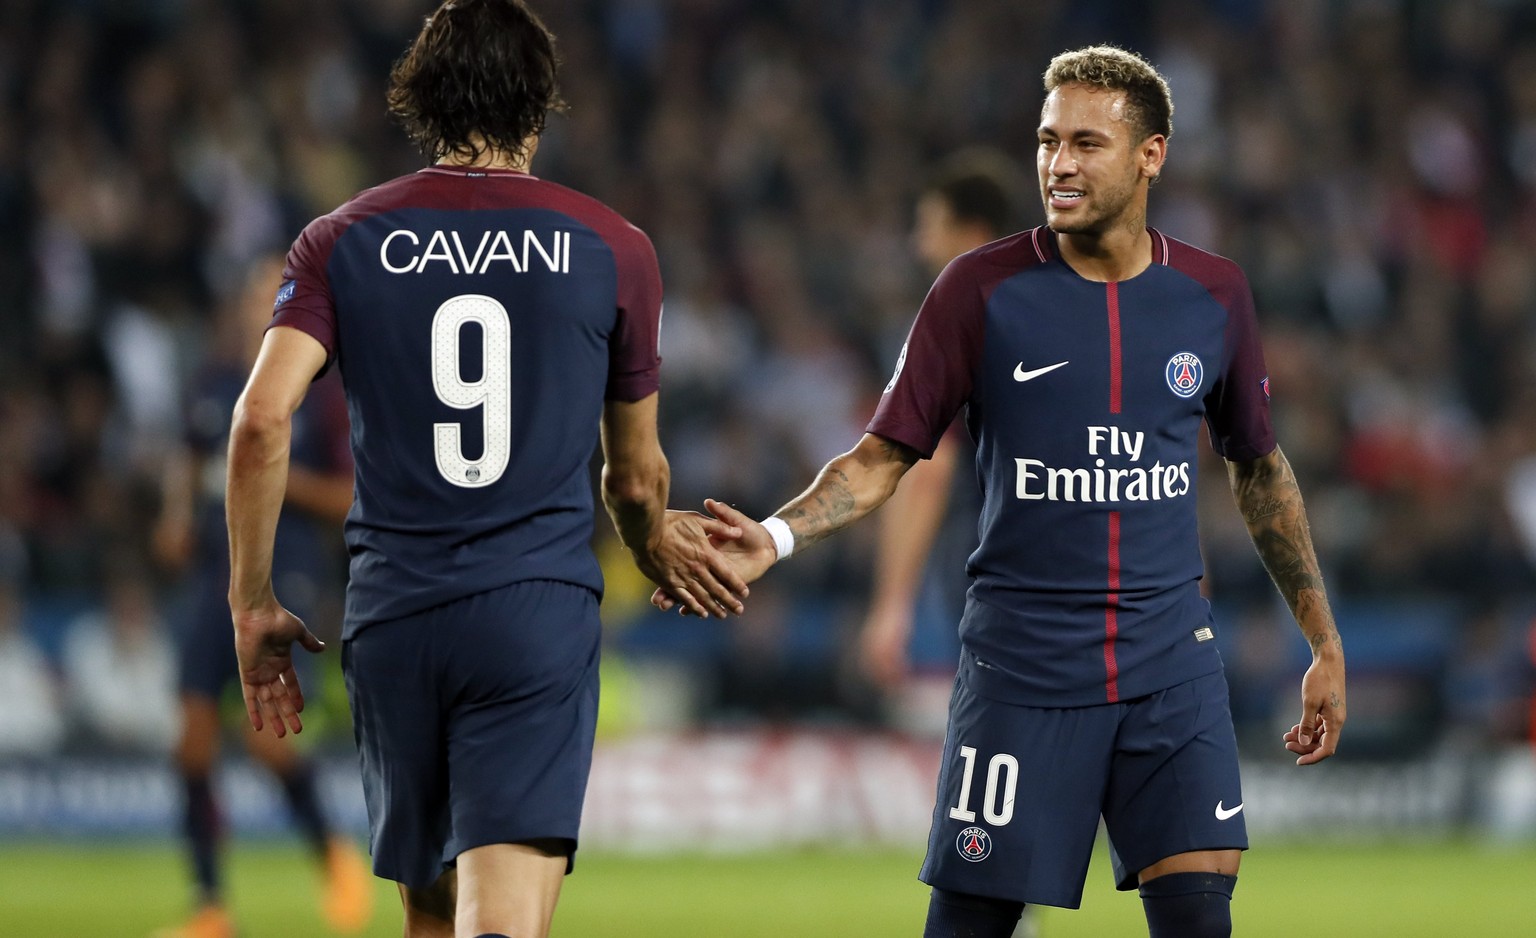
x: 1021, y: 790
x: 474, y: 724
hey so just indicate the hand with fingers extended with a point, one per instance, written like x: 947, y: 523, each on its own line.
x: 1316, y: 737
x: 747, y: 553
x: 685, y: 559
x: 264, y: 638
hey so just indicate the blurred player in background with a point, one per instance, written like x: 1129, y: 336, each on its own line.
x: 490, y: 328
x: 191, y: 533
x: 927, y: 528
x: 972, y: 200
x: 1086, y: 354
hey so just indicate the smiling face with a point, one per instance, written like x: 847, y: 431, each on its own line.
x: 1095, y: 164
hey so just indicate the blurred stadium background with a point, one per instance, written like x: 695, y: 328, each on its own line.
x: 1371, y: 163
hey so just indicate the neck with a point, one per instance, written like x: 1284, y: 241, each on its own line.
x: 1117, y: 253
x: 488, y: 157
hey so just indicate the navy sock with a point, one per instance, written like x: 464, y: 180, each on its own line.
x: 962, y: 915
x: 1189, y: 905
x: 304, y: 801
x: 202, y: 830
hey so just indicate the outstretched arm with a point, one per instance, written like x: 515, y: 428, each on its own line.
x: 1270, y: 500
x: 672, y: 548
x: 258, y: 474
x: 847, y: 488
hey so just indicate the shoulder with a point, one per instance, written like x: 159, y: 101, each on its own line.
x: 320, y: 235
x: 400, y: 192
x: 1008, y: 256
x: 983, y: 268
x: 619, y: 232
x: 1221, y: 276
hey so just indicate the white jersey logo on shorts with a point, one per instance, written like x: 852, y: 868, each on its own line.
x: 1225, y: 814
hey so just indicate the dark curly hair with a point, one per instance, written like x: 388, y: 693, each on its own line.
x: 480, y: 77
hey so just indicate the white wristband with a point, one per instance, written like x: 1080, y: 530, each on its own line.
x: 783, y: 537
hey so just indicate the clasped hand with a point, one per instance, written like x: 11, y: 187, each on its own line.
x: 735, y: 551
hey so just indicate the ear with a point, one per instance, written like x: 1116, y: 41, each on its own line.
x: 1151, y: 154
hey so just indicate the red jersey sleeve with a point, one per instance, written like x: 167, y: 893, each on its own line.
x: 1237, y: 413
x: 304, y: 300
x: 936, y: 371
x: 634, y: 361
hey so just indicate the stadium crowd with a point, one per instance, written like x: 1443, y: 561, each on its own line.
x: 1371, y: 164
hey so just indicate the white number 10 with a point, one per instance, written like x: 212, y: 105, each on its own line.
x: 492, y: 391
x: 998, y: 814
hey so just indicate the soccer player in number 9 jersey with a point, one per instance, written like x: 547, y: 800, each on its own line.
x: 1086, y: 354
x: 489, y: 327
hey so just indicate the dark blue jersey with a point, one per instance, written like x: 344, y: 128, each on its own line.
x: 1085, y: 400
x: 479, y: 320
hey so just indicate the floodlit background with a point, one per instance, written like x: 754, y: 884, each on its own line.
x: 1370, y: 163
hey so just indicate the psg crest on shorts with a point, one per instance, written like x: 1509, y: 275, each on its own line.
x: 974, y: 844
x: 1185, y: 374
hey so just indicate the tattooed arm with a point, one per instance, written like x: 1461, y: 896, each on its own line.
x: 1270, y: 500
x: 848, y: 488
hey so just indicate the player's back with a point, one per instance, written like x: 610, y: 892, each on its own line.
x: 481, y: 319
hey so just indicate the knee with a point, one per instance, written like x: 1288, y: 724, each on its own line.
x: 429, y: 911
x: 195, y: 754
x: 1189, y: 905
x: 198, y: 745
x: 955, y: 914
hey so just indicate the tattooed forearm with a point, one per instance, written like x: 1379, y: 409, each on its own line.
x: 1268, y: 508
x: 824, y: 509
x: 850, y: 487
x: 1270, y: 500
x: 1312, y: 607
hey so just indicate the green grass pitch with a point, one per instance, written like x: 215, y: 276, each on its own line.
x: 1404, y: 890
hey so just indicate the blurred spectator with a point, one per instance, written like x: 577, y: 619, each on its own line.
x: 32, y: 719
x: 120, y: 668
x: 1372, y: 165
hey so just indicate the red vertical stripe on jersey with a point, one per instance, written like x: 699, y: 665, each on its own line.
x: 1111, y: 625
x: 1112, y: 295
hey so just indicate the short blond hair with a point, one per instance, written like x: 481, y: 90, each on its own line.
x: 1115, y: 69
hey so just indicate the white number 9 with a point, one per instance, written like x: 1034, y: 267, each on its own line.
x: 493, y: 392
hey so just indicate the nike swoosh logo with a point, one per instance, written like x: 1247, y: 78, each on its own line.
x: 1223, y: 814
x: 1019, y: 374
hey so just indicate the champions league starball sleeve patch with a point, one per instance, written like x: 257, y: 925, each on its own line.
x: 285, y: 293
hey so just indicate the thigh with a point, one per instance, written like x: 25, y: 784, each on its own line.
x: 392, y: 687
x: 1174, y: 785
x: 522, y: 716
x: 1019, y: 796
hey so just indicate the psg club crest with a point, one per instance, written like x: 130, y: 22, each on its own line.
x: 1185, y: 373
x: 974, y: 844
